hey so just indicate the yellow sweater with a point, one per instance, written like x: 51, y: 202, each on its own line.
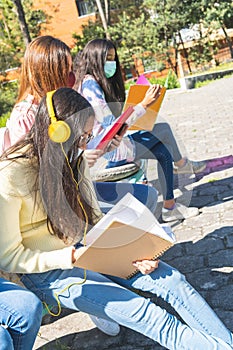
x: 26, y: 246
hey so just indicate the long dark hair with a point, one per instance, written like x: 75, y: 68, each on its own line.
x: 64, y: 189
x: 91, y: 61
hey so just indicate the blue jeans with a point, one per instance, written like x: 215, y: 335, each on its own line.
x: 113, y: 298
x: 159, y: 144
x: 109, y: 193
x: 20, y: 317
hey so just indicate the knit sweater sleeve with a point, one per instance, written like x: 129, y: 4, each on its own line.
x: 26, y: 246
x: 104, y: 119
x: 21, y: 119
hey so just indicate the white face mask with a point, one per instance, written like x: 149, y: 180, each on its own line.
x: 109, y: 68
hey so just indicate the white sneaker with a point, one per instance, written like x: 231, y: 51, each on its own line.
x: 180, y: 212
x: 108, y: 327
x: 190, y: 167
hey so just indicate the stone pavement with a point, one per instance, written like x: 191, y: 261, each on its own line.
x: 202, y: 120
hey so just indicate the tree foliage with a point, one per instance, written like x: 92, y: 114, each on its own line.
x: 11, y: 37
x: 219, y: 14
x: 12, y: 45
x: 8, y: 94
x: 156, y: 26
x: 134, y: 36
x: 90, y: 31
x: 132, y: 32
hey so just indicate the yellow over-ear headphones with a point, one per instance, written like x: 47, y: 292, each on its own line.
x: 59, y: 131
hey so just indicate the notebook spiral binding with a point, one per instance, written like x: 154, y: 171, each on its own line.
x: 154, y: 258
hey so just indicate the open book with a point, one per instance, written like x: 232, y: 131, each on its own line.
x: 118, y: 127
x: 128, y: 232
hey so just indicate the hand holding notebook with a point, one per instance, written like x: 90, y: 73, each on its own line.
x: 136, y: 95
x: 127, y: 233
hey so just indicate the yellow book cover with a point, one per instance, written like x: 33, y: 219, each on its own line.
x: 135, y: 95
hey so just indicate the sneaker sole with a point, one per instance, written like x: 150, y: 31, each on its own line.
x: 103, y: 329
x: 172, y: 218
x: 180, y: 171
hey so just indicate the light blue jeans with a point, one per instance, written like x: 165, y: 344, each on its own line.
x: 113, y: 298
x: 20, y: 317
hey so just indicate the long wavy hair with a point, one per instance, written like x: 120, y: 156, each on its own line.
x: 45, y: 67
x: 91, y: 61
x: 64, y: 189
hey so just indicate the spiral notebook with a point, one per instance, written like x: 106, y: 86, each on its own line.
x: 128, y: 232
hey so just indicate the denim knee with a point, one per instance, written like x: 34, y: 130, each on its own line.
x: 162, y: 131
x: 36, y: 310
x: 31, y: 310
x: 167, y: 128
x: 5, y: 339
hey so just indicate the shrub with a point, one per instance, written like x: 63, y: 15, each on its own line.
x: 8, y: 94
x: 173, y: 81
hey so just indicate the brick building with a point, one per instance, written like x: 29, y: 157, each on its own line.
x: 65, y: 17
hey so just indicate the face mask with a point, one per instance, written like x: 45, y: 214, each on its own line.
x: 110, y: 68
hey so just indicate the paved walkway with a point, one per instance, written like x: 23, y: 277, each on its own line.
x: 202, y: 120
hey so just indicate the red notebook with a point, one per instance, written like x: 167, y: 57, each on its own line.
x: 116, y: 128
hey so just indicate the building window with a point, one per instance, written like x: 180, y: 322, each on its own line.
x: 85, y: 7
x: 89, y: 6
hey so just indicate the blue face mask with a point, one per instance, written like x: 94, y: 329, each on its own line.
x: 109, y: 68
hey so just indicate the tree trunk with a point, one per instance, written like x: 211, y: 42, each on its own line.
x: 22, y: 22
x: 103, y: 18
x: 185, y: 53
x: 228, y: 40
x: 107, y: 11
